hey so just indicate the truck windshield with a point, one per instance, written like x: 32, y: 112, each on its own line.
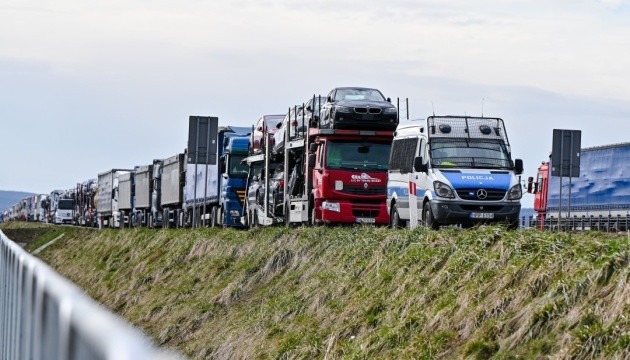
x: 235, y: 168
x: 469, y: 153
x: 65, y: 204
x: 363, y: 156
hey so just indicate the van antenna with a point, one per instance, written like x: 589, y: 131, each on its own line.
x: 433, y: 107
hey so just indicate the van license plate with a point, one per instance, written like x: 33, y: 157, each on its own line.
x: 366, y: 220
x: 477, y: 215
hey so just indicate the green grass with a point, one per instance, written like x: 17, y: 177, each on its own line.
x: 361, y: 292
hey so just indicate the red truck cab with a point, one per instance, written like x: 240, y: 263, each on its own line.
x: 349, y: 176
x: 539, y: 189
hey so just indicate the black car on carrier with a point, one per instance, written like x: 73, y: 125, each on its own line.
x: 358, y: 109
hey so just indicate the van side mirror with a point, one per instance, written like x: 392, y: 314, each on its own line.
x: 255, y: 178
x: 311, y: 161
x: 278, y: 125
x: 418, y: 165
x: 312, y: 147
x: 329, y: 99
x: 518, y: 166
x: 530, y: 185
x: 309, y: 108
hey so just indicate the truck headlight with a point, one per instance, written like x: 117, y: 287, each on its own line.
x: 515, y: 192
x: 234, y: 213
x: 332, y: 206
x: 443, y: 190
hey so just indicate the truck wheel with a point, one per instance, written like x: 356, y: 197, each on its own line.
x: 313, y: 219
x: 213, y: 217
x: 121, y: 220
x: 429, y: 220
x: 394, y: 218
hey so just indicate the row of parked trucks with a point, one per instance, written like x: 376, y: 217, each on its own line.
x: 342, y: 158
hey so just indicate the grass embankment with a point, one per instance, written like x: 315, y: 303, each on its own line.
x: 361, y: 292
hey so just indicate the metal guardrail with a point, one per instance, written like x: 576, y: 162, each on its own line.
x: 45, y: 316
x: 600, y: 223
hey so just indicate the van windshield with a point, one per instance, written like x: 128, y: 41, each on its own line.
x: 469, y: 153
x: 363, y: 156
x: 65, y: 204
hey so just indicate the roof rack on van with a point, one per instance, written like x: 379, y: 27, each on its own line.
x: 470, y: 127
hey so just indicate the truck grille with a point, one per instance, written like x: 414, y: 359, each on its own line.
x: 360, y: 190
x: 471, y: 194
x: 363, y: 110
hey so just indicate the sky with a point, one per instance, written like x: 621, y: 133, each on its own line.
x: 86, y: 86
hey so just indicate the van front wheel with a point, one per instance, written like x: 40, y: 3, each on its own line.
x: 429, y: 220
x: 394, y: 218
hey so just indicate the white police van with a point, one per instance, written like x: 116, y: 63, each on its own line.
x: 453, y: 170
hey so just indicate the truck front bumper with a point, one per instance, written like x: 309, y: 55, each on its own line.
x: 355, y: 212
x: 460, y: 212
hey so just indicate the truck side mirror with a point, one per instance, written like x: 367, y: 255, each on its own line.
x: 530, y: 184
x: 278, y: 125
x: 518, y: 166
x: 418, y: 165
x: 312, y: 147
x: 311, y: 161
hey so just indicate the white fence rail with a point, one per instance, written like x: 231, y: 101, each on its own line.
x: 45, y: 316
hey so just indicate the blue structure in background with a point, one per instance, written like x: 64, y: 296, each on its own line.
x: 602, y: 187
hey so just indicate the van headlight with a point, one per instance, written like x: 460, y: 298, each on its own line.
x: 515, y: 192
x: 332, y: 206
x: 443, y: 190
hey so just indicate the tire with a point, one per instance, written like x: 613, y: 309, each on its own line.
x: 254, y: 220
x: 394, y: 218
x: 513, y: 225
x: 121, y: 220
x: 213, y: 217
x: 287, y: 223
x: 429, y: 220
x: 313, y: 220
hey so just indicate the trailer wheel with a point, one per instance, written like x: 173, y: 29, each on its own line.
x: 394, y: 218
x: 287, y: 219
x: 429, y: 220
x: 213, y: 217
x: 254, y: 220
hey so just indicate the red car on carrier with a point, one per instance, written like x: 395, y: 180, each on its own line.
x: 267, y: 124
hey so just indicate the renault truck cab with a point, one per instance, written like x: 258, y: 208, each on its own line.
x: 453, y: 170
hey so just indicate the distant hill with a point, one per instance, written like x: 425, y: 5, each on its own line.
x: 8, y: 198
